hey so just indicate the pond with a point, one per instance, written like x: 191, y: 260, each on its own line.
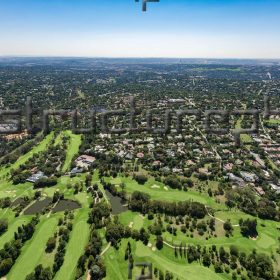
x: 17, y: 202
x: 65, y: 204
x: 38, y: 206
x: 116, y: 203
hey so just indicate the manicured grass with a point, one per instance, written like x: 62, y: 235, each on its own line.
x: 75, y: 247
x: 33, y: 249
x: 132, y: 217
x: 265, y: 243
x: 13, y: 225
x: 63, y: 182
x: 117, y: 267
x: 73, y: 149
x: 58, y: 139
x: 165, y: 194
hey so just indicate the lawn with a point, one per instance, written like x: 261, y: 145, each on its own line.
x: 33, y: 249
x: 72, y: 149
x: 13, y: 224
x: 265, y: 243
x: 75, y: 247
x: 164, y: 259
x: 162, y: 192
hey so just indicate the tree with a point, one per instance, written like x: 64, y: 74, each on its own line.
x: 159, y: 242
x: 228, y: 227
x: 140, y: 178
x: 212, y: 224
x: 51, y: 244
x: 206, y: 260
x: 5, y: 266
x: 234, y: 251
x: 248, y: 227
x: 3, y: 226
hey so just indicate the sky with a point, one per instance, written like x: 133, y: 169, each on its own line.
x: 119, y: 28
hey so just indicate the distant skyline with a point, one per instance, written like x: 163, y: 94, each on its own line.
x: 119, y: 28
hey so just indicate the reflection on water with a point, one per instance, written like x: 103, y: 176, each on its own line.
x: 117, y: 203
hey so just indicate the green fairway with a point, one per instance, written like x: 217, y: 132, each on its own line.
x: 75, y: 247
x: 72, y: 149
x: 162, y: 192
x: 33, y: 249
x: 13, y: 226
x: 132, y: 219
x: 164, y: 260
x: 266, y: 242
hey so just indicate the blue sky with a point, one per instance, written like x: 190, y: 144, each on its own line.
x: 119, y: 28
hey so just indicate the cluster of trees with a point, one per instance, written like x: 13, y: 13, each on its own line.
x: 128, y: 256
x: 116, y: 231
x: 184, y: 223
x: 108, y: 164
x: 5, y: 202
x: 248, y: 228
x: 178, y: 183
x: 90, y: 259
x: 40, y: 273
x: 257, y: 266
x: 19, y: 176
x: 228, y: 228
x: 140, y: 178
x: 51, y: 244
x: 88, y: 180
x: 45, y: 182
x: 99, y: 214
x: 141, y: 202
x: 92, y: 253
x: 163, y: 276
x: 48, y: 162
x: 11, y: 150
x: 12, y: 249
x: 64, y: 234
x: 114, y: 191
x: 245, y: 200
x: 65, y: 227
x: 3, y: 226
x: 57, y: 196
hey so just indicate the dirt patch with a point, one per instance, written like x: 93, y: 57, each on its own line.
x: 254, y: 238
